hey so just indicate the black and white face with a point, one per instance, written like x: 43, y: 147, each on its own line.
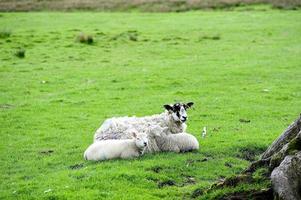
x: 178, y: 111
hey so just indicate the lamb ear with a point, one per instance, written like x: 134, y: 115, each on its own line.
x: 168, y: 107
x: 189, y: 104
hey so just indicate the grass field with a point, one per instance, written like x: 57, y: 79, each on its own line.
x: 241, y: 68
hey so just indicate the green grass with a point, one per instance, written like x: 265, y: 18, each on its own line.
x: 235, y: 65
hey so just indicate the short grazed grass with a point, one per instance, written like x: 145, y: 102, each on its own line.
x: 241, y: 68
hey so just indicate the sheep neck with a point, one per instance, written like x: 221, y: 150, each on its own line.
x: 174, y: 126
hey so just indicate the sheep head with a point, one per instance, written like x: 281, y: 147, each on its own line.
x: 178, y: 111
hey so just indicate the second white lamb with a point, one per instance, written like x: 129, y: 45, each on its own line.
x: 180, y: 142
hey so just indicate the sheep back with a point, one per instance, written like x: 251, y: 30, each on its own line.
x: 110, y: 149
x: 180, y: 142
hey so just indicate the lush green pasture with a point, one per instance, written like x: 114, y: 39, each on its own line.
x: 241, y: 68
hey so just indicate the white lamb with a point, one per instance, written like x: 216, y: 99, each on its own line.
x: 110, y: 149
x: 180, y: 142
x: 172, y: 121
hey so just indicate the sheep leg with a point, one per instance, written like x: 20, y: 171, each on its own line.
x: 175, y: 149
x: 126, y: 155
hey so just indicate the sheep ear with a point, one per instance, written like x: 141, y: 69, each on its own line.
x: 189, y: 105
x: 168, y: 107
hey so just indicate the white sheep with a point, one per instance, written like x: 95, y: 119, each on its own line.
x: 110, y: 149
x: 180, y: 142
x: 172, y: 121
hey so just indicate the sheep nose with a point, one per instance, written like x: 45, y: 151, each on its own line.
x: 184, y: 118
x: 145, y: 143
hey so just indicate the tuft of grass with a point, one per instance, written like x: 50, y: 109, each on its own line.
x: 20, y: 53
x: 84, y: 38
x: 89, y: 39
x: 5, y: 33
x: 208, y: 37
x: 133, y: 37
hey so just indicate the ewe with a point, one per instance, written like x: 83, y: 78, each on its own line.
x: 110, y: 149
